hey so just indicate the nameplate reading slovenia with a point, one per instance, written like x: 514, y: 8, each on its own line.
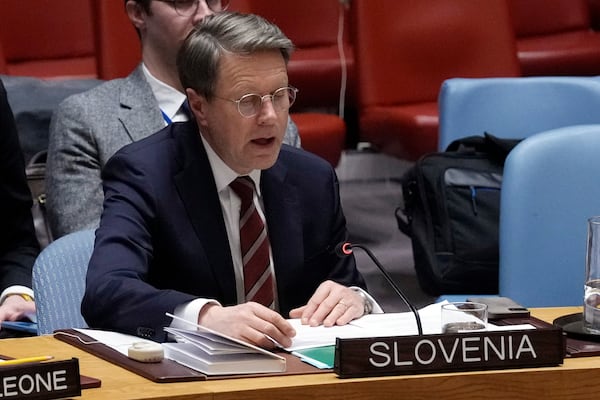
x: 449, y: 352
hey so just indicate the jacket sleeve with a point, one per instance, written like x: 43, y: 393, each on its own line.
x: 119, y: 295
x: 18, y: 243
x: 73, y: 183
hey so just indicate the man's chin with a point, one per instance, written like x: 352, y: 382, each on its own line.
x: 265, y: 160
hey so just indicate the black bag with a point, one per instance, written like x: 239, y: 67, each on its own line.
x: 36, y: 179
x: 451, y: 212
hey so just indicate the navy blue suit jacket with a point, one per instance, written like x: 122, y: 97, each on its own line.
x: 162, y: 239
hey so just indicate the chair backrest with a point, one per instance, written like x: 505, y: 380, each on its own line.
x: 59, y: 281
x: 543, y: 17
x: 406, y: 49
x: 556, y: 37
x: 515, y: 107
x: 48, y: 38
x: 549, y: 190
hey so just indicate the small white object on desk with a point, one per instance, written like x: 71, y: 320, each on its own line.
x: 146, y: 352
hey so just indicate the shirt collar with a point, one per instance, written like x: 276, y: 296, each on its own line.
x: 223, y: 174
x: 169, y: 99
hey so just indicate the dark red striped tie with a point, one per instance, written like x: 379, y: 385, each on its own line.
x: 258, y: 279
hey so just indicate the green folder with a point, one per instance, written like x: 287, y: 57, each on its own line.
x: 320, y: 357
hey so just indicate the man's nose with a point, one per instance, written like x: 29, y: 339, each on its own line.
x: 267, y: 109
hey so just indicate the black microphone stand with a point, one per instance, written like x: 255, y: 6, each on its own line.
x: 392, y: 284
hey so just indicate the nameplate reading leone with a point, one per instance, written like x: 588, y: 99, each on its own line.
x: 47, y: 380
x: 401, y: 355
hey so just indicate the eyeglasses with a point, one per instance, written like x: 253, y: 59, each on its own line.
x: 250, y: 104
x: 187, y: 8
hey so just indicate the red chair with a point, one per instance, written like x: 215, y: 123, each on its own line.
x: 48, y: 38
x: 406, y: 49
x: 322, y: 134
x: 118, y: 46
x: 555, y: 37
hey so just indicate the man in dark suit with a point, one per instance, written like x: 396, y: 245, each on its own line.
x: 170, y: 235
x: 18, y: 243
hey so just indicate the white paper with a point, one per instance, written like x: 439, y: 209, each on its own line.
x: 378, y: 325
x: 117, y: 341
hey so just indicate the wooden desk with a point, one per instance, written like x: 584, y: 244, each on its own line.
x: 578, y: 377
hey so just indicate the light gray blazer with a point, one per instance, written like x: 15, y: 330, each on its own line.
x: 86, y: 130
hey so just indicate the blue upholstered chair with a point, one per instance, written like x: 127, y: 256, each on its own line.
x: 59, y: 281
x: 551, y: 187
x: 515, y: 107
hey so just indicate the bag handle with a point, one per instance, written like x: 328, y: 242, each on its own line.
x: 497, y: 148
x: 38, y: 158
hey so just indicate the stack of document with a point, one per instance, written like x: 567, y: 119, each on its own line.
x: 213, y: 353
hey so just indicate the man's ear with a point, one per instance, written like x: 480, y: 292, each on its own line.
x: 198, y: 105
x: 136, y: 14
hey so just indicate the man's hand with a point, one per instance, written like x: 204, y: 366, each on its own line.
x: 250, y: 322
x: 332, y: 304
x: 15, y: 308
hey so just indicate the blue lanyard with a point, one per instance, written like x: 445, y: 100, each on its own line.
x: 166, y: 117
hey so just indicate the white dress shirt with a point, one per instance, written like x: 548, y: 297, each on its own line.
x: 169, y: 99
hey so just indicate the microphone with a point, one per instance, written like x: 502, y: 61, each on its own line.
x: 344, y: 249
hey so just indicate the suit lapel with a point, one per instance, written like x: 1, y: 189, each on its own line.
x: 139, y: 112
x: 196, y: 186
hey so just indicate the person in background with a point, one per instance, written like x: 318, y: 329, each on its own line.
x: 231, y: 229
x: 88, y: 128
x: 18, y: 243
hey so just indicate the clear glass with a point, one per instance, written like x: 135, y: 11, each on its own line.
x: 187, y: 8
x: 464, y: 317
x: 250, y: 104
x: 591, y: 300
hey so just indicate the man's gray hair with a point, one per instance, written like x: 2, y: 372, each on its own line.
x: 232, y: 32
